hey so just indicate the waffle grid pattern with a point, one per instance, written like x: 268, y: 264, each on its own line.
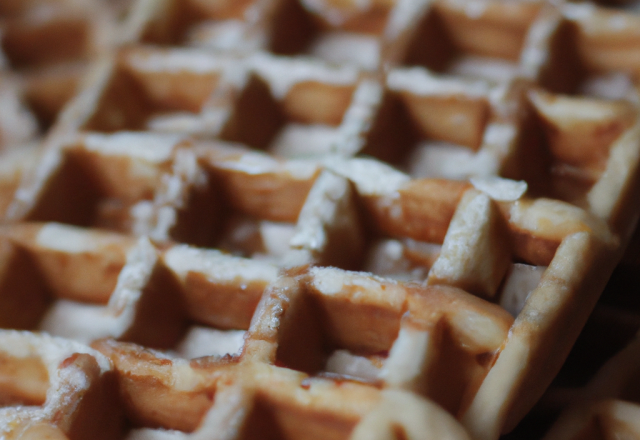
x: 309, y: 219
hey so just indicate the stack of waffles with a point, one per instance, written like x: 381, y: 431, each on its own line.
x: 311, y: 219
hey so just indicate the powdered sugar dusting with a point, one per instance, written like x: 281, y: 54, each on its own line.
x: 80, y: 322
x: 348, y: 48
x: 358, y: 285
x: 370, y: 176
x: 133, y: 278
x: 344, y: 363
x: 66, y: 238
x: 296, y: 140
x: 156, y: 434
x: 504, y: 190
x: 151, y: 147
x: 419, y: 82
x: 520, y: 282
x: 204, y: 341
x: 612, y: 85
x: 405, y: 15
x: 579, y: 11
x: 494, y: 69
x: 17, y: 124
x: 258, y: 163
x: 217, y: 266
x: 281, y: 74
x: 359, y: 116
x: 336, y: 15
x: 176, y: 61
x: 51, y: 350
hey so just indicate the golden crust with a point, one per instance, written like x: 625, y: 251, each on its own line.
x: 197, y: 213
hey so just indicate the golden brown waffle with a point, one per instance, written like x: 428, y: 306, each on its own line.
x: 314, y: 219
x: 611, y: 327
x: 45, y: 47
x: 54, y: 388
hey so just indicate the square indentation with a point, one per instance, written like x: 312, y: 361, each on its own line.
x: 98, y: 179
x: 594, y: 53
x: 401, y: 223
x: 483, y: 39
x: 346, y: 32
x: 341, y: 323
x: 220, y: 295
x: 292, y: 108
x: 432, y: 133
x: 248, y: 205
x: 563, y: 152
x: 157, y: 90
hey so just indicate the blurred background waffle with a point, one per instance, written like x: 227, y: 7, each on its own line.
x: 318, y: 219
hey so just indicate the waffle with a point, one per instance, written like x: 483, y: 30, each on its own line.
x: 310, y: 219
x: 607, y: 402
x: 54, y: 388
x: 46, y: 47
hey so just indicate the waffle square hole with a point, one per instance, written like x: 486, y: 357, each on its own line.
x: 155, y: 90
x: 289, y: 116
x: 562, y: 155
x: 397, y: 228
x: 341, y: 324
x: 336, y: 31
x: 483, y: 39
x: 220, y: 295
x: 199, y: 22
x: 55, y: 264
x: 593, y: 53
x: 520, y: 280
x: 99, y: 179
x: 402, y: 259
x: 430, y: 136
x: 244, y: 213
x: 175, y: 313
x: 406, y: 252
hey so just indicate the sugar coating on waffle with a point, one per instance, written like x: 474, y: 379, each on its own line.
x: 307, y: 218
x: 55, y: 388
